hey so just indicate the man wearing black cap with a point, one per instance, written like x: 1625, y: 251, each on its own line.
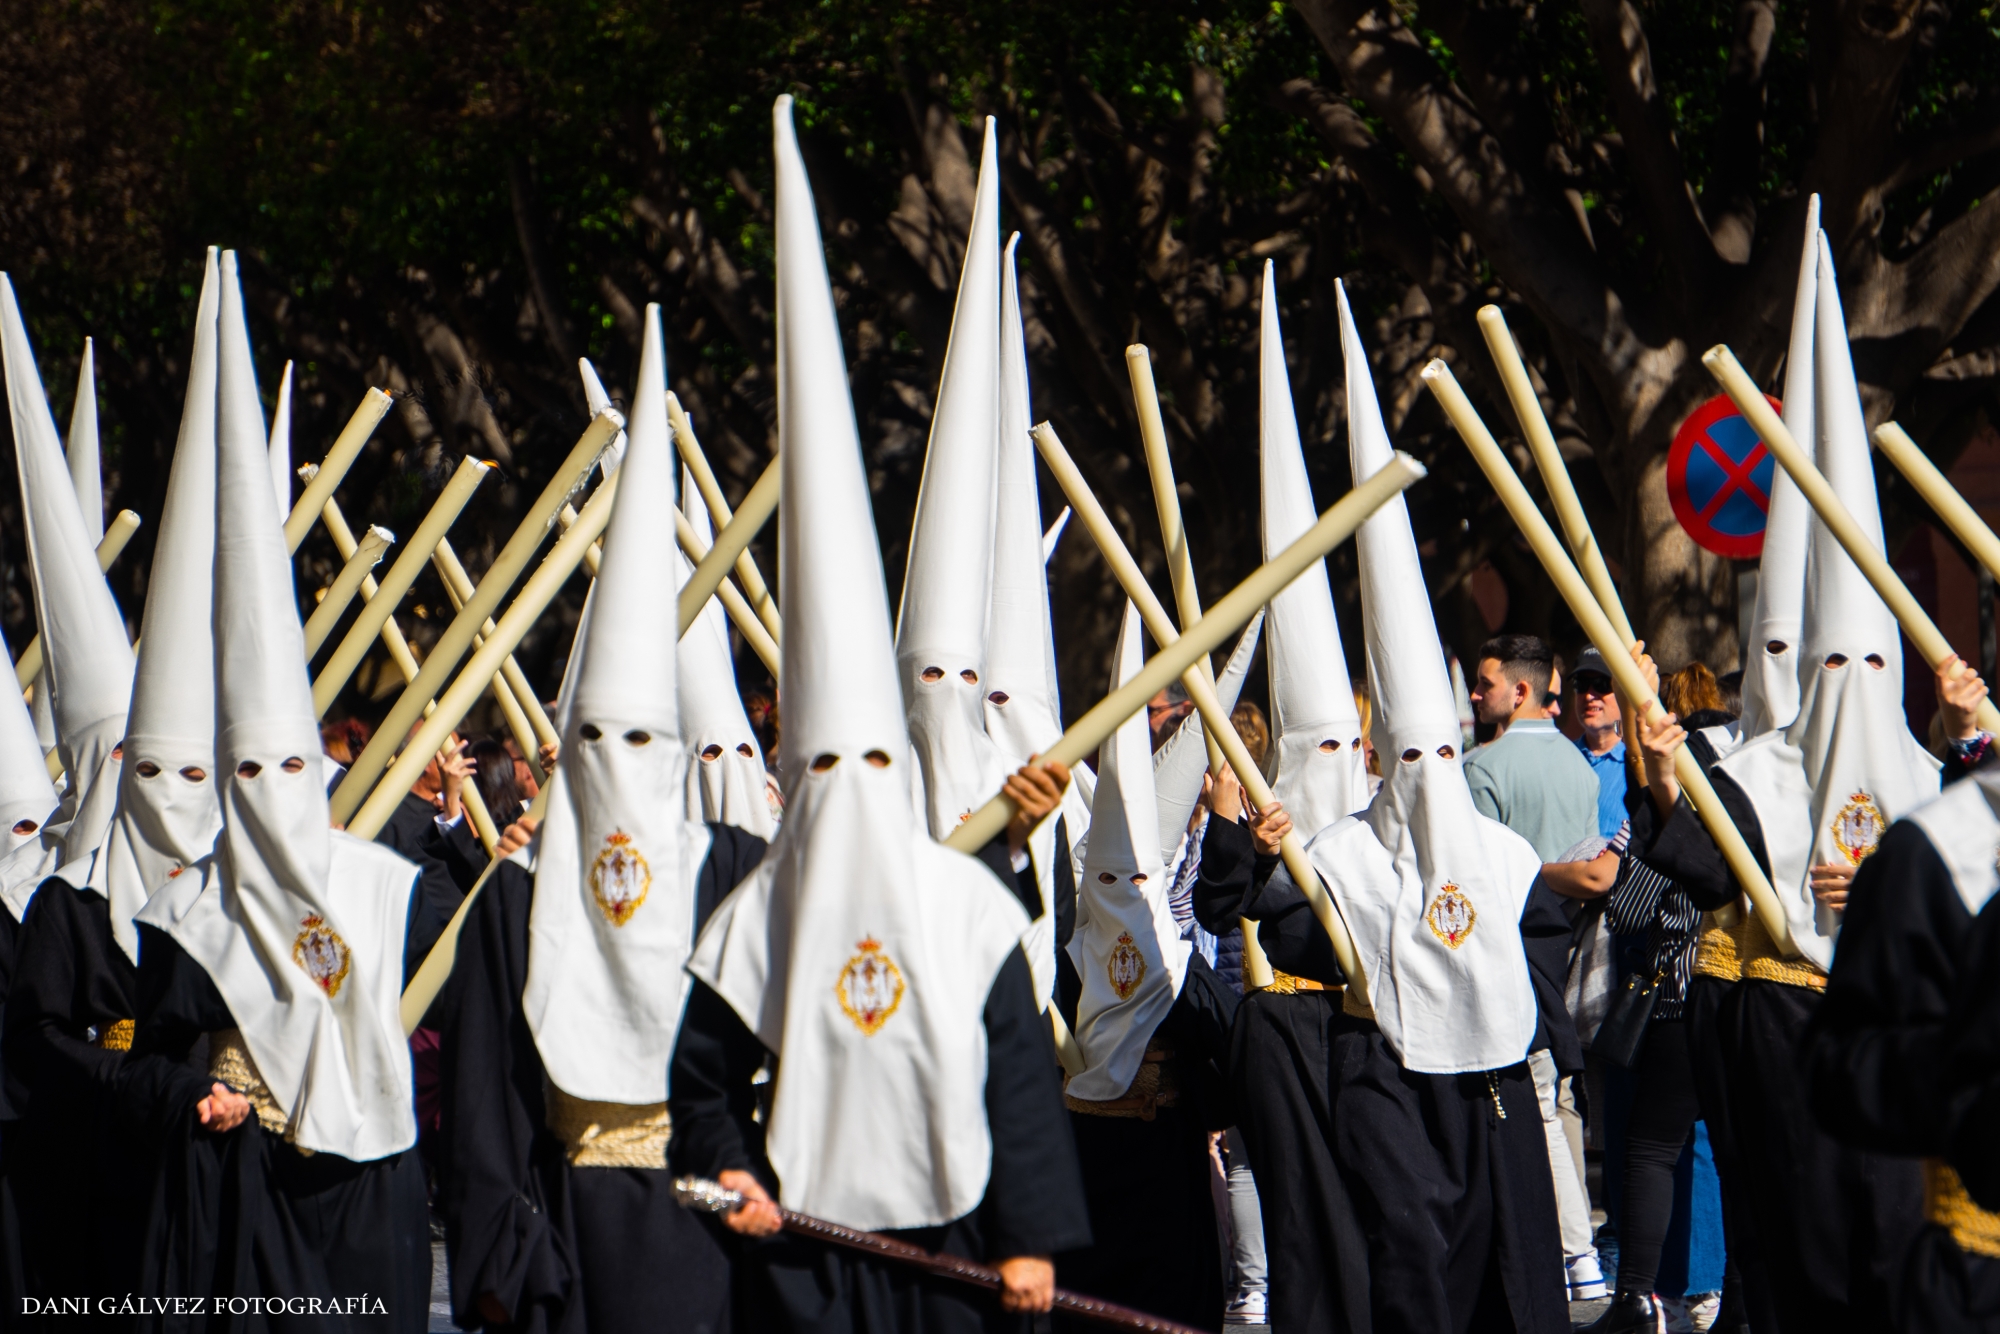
x: 1600, y: 742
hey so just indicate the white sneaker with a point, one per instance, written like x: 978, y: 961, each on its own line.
x: 1246, y: 1308
x: 1586, y: 1280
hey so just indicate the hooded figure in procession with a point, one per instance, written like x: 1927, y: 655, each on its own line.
x: 287, y: 1166
x: 1152, y: 1024
x: 1432, y: 1182
x: 559, y: 1209
x: 71, y: 1010
x: 726, y: 780
x: 1813, y: 799
x: 877, y: 975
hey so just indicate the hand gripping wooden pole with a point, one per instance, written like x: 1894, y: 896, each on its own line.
x: 452, y: 645
x: 1555, y: 475
x: 1615, y: 648
x: 1943, y: 498
x: 1770, y: 427
x: 367, y: 626
x: 746, y: 622
x: 360, y: 562
x: 1187, y: 595
x: 126, y: 523
x: 752, y: 579
x: 435, y: 970
x: 1216, y: 723
x: 346, y: 448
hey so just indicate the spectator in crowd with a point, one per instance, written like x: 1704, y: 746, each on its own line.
x: 1256, y: 733
x: 1165, y: 710
x: 1531, y: 779
x: 1602, y: 746
x: 498, y: 780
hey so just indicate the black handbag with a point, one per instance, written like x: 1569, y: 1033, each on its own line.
x: 1624, y: 1028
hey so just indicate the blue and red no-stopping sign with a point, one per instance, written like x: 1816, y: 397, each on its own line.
x: 1719, y: 480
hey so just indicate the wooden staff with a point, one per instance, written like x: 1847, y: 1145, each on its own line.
x: 29, y: 664
x: 697, y: 1193
x: 1770, y: 427
x: 360, y: 562
x: 752, y: 579
x: 1615, y: 648
x: 344, y: 544
x: 504, y: 694
x: 453, y: 644
x: 346, y: 448
x: 534, y: 597
x: 732, y: 541
x: 746, y: 622
x: 1053, y: 534
x: 1555, y: 475
x: 1943, y: 498
x: 1215, y: 722
x: 368, y: 625
x: 459, y: 584
x: 1187, y: 596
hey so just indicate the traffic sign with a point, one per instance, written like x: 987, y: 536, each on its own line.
x: 1719, y: 480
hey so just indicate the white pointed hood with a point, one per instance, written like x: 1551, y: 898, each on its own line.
x: 1322, y: 772
x: 1771, y: 674
x: 613, y: 914
x: 1431, y: 889
x: 726, y: 779
x: 85, y: 470
x: 1023, y: 703
x: 1180, y: 762
x: 26, y: 794
x: 947, y: 588
x: 860, y: 952
x: 88, y: 655
x: 280, y: 448
x: 599, y: 403
x: 166, y: 820
x: 1126, y: 949
x: 299, y: 926
x: 1827, y: 787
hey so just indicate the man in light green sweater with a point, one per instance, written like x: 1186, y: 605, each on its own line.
x: 1529, y: 777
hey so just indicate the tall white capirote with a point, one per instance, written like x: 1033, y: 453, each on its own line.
x: 860, y: 951
x: 299, y: 926
x: 941, y: 638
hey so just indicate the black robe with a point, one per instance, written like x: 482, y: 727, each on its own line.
x: 575, y: 1249
x: 1393, y: 1201
x: 81, y: 1184
x: 242, y: 1218
x: 1033, y: 1204
x: 1833, y: 1223
x: 1146, y: 1182
x: 448, y: 866
x: 1878, y: 1058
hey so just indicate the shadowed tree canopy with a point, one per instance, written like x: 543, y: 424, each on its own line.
x: 454, y: 201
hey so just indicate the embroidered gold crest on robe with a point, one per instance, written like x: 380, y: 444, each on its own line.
x: 620, y: 879
x: 1451, y: 916
x: 1858, y: 827
x: 322, y: 953
x: 870, y: 987
x: 1126, y: 968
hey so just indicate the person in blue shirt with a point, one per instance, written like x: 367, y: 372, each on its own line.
x: 1597, y: 710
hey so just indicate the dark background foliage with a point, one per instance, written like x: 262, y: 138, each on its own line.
x: 455, y: 201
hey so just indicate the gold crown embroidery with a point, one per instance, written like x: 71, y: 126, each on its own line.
x: 1126, y: 968
x: 1858, y: 827
x: 620, y: 879
x: 320, y: 951
x: 1451, y: 916
x: 870, y: 987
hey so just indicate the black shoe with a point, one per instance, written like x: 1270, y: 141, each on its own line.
x: 1630, y: 1313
